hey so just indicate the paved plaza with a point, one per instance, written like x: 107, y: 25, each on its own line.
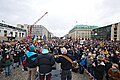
x: 18, y: 74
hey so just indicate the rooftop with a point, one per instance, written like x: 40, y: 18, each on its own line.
x: 83, y: 27
x: 12, y: 27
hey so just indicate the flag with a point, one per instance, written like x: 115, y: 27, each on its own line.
x: 33, y: 38
x: 101, y: 43
x: 35, y: 41
x: 44, y: 37
x: 26, y: 39
x: 106, y: 51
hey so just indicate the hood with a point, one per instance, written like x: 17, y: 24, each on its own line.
x: 45, y: 51
x: 32, y: 48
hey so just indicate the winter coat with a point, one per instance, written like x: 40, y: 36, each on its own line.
x: 16, y: 57
x: 7, y: 61
x: 83, y: 62
x: 77, y: 55
x: 22, y: 53
x: 108, y: 65
x: 99, y: 71
x: 30, y: 59
x: 114, y: 74
x: 114, y: 59
x: 89, y: 62
x: 0, y: 61
x: 65, y: 64
x: 45, y: 63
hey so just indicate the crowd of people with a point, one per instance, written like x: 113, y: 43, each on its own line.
x: 97, y: 58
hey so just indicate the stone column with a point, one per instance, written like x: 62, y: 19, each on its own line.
x: 118, y: 32
x: 112, y: 31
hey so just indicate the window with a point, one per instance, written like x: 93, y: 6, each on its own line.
x: 77, y: 32
x: 19, y: 34
x: 11, y: 33
x: 115, y: 32
x: 115, y: 27
x: 22, y: 34
x: 5, y: 33
x: 115, y: 39
x: 15, y: 34
x: 22, y: 26
x: 82, y: 34
x: 28, y: 27
x: 115, y: 35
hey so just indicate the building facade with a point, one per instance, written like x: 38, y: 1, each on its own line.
x: 37, y: 30
x: 109, y: 32
x: 7, y: 31
x: 81, y: 32
x: 102, y: 33
x: 66, y: 36
x: 115, y: 32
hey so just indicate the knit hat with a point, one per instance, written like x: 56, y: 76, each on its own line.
x: 117, y: 52
x: 115, y: 65
x: 45, y: 46
x: 32, y: 48
x: 45, y: 51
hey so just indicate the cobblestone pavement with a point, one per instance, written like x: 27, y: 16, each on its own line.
x: 18, y: 74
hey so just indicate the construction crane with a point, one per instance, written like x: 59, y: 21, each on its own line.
x: 35, y: 23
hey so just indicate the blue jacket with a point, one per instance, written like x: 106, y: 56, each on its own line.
x: 45, y: 63
x: 83, y: 62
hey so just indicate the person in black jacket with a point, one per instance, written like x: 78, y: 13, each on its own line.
x: 108, y: 65
x: 99, y: 69
x: 30, y: 62
x: 7, y: 62
x: 16, y: 59
x: 45, y: 61
x: 66, y: 65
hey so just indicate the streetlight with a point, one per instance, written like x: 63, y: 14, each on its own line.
x: 95, y: 35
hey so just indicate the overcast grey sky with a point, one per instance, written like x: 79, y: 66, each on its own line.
x: 62, y: 14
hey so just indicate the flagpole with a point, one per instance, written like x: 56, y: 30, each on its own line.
x: 3, y: 21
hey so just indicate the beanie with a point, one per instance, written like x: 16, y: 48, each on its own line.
x: 32, y: 48
x: 45, y: 51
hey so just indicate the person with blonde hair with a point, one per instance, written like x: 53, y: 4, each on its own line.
x: 65, y: 59
x: 114, y: 72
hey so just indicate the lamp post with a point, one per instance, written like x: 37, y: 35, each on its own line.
x: 95, y: 36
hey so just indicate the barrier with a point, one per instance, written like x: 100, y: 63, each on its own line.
x: 91, y: 76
